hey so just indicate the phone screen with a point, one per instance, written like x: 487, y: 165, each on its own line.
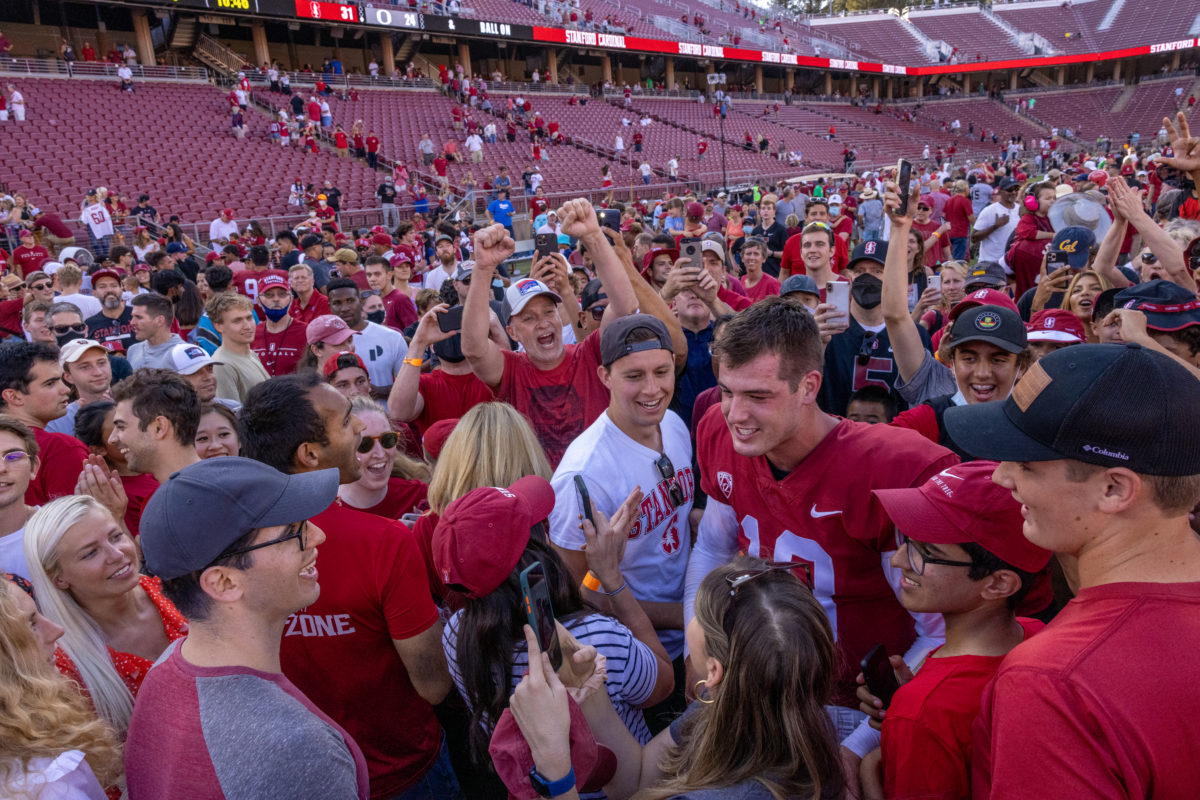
x: 880, y: 678
x: 903, y: 179
x: 585, y: 499
x: 540, y: 611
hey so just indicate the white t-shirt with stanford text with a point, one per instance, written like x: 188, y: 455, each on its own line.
x: 992, y: 248
x: 382, y: 350
x: 613, y: 465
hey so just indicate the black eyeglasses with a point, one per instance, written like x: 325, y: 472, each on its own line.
x: 667, y: 470
x: 918, y: 558
x: 40, y: 287
x: 63, y: 330
x: 297, y: 530
x: 866, y: 349
x: 738, y: 579
x: 387, y: 440
x: 1149, y: 258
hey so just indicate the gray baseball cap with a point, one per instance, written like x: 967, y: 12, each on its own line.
x: 799, y: 283
x: 613, y: 344
x: 203, y: 509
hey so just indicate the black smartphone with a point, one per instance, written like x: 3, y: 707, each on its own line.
x: 540, y: 612
x: 690, y: 248
x: 545, y: 244
x: 451, y: 320
x: 1057, y: 258
x: 903, y: 180
x: 585, y: 500
x: 881, y: 679
x: 610, y: 218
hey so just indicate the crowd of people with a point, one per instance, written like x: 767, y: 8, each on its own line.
x: 823, y: 490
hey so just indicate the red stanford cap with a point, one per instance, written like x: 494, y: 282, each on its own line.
x: 271, y: 279
x: 983, y: 297
x: 1056, y: 325
x: 962, y: 504
x: 480, y: 538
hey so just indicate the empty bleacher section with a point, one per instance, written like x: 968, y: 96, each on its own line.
x: 883, y: 36
x: 170, y: 140
x: 1068, y: 27
x: 973, y: 35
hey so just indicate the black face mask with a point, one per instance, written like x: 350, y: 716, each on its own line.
x: 69, y: 336
x: 867, y: 291
x: 377, y: 316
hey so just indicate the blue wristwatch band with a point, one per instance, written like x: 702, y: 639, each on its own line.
x: 547, y: 788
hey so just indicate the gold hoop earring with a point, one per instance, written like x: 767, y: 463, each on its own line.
x: 696, y: 691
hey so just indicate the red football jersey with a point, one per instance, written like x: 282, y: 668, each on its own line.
x: 246, y: 280
x: 823, y: 516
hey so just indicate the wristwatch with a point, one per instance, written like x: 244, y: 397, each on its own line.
x: 546, y: 788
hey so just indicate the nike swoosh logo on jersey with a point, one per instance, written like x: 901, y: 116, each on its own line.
x: 818, y: 514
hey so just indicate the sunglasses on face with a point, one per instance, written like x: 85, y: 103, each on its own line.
x: 667, y: 470
x: 63, y: 330
x: 387, y: 440
x: 597, y: 312
x: 1149, y: 258
x: 40, y: 287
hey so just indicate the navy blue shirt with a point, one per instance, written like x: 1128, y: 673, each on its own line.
x: 697, y: 376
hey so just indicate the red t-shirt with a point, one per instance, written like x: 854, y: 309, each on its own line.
x: 449, y: 396
x: 958, y: 212
x: 558, y: 402
x: 1100, y: 704
x: 400, y: 310
x: 132, y: 668
x: 246, y: 280
x: 439, y: 166
x: 138, y: 489
x: 701, y: 147
x: 60, y: 460
x: 10, y: 317
x: 318, y: 305
x: 340, y: 141
x: 372, y: 144
x: 927, y: 732
x: 403, y: 496
x: 339, y: 651
x: 280, y: 352
x: 922, y: 419
x: 833, y: 525
x: 28, y: 259
x: 935, y: 253
x: 766, y: 287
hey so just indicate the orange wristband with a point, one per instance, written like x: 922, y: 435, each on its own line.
x: 590, y: 581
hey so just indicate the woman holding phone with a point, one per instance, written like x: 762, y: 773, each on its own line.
x: 758, y: 728
x: 483, y: 543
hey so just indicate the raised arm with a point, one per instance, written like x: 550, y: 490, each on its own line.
x: 648, y: 300
x: 405, y: 402
x: 1169, y: 253
x: 907, y: 347
x: 578, y: 220
x: 492, y: 246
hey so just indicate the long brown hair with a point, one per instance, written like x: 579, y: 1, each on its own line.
x: 766, y: 721
x: 42, y: 715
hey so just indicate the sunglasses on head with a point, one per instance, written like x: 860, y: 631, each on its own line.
x: 387, y: 440
x: 667, y: 470
x: 738, y: 579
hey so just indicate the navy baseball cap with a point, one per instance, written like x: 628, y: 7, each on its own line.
x: 799, y: 283
x: 1113, y: 405
x: 204, y: 508
x: 870, y: 250
x: 176, y: 247
x: 1167, y: 306
x: 1077, y: 242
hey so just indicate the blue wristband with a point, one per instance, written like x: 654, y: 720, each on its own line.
x: 547, y: 788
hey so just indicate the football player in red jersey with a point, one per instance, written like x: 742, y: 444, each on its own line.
x: 788, y: 482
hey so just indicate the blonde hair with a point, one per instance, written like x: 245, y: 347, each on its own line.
x: 962, y: 268
x: 405, y: 465
x: 82, y: 639
x: 492, y: 445
x: 223, y: 302
x: 1068, y: 303
x: 41, y: 714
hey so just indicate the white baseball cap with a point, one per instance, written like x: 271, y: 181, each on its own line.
x: 190, y: 358
x: 73, y: 350
x: 518, y: 295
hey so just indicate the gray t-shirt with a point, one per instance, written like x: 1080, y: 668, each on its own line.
x: 143, y: 354
x: 932, y: 379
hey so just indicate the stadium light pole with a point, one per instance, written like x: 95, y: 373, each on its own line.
x: 724, y: 177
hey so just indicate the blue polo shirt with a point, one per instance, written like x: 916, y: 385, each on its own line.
x: 501, y: 211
